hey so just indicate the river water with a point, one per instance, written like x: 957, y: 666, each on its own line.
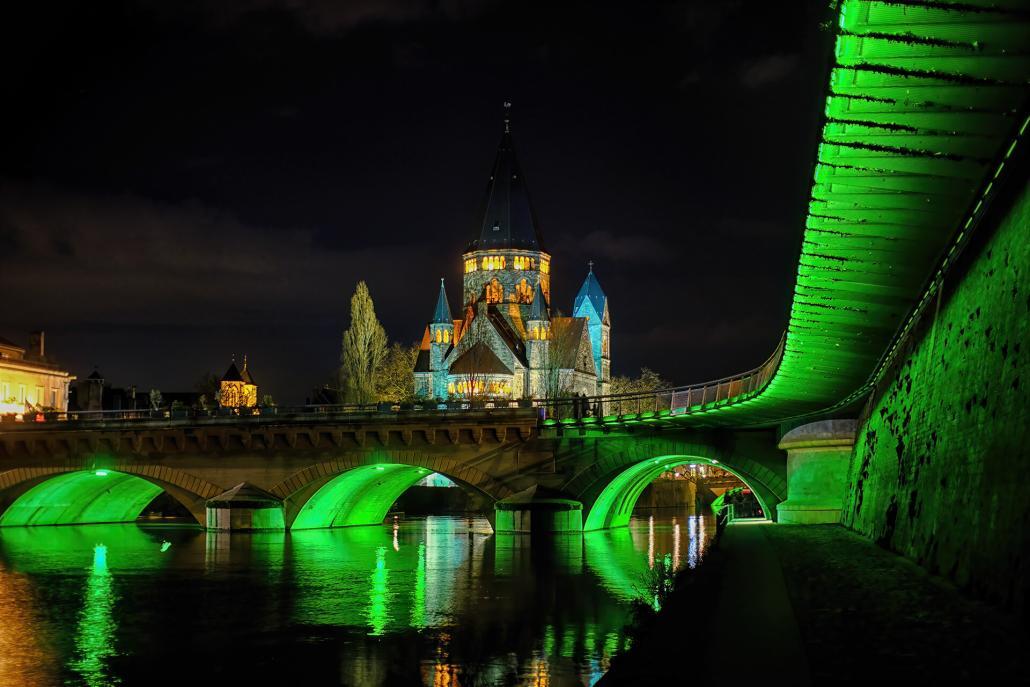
x: 427, y: 601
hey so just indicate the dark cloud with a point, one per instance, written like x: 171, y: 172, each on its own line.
x: 768, y: 70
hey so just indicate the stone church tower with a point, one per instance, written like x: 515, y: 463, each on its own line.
x: 507, y: 343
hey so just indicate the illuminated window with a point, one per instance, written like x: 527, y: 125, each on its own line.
x: 494, y: 291
x: 524, y: 292
x: 545, y: 266
x: 450, y: 388
x: 21, y: 393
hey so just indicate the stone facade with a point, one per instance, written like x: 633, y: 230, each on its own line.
x: 940, y: 467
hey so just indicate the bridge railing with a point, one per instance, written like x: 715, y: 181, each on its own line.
x: 673, y: 401
x: 189, y: 414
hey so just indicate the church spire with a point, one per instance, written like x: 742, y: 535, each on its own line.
x: 507, y: 220
x: 442, y: 314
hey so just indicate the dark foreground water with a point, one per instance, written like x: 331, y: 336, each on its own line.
x: 432, y: 601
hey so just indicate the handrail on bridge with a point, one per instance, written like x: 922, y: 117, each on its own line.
x: 680, y: 400
x: 674, y: 401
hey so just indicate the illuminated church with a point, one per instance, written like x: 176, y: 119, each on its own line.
x: 507, y: 342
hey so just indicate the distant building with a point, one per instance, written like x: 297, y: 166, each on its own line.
x: 237, y: 388
x: 29, y: 380
x: 507, y: 342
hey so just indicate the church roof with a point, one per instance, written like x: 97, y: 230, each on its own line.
x: 442, y: 314
x: 590, y: 291
x: 245, y: 373
x: 232, y: 374
x: 479, y: 359
x: 508, y: 220
x: 538, y: 311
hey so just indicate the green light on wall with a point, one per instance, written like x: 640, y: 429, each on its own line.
x: 78, y: 498
x: 361, y: 496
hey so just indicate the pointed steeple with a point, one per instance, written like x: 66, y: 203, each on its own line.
x: 508, y: 220
x: 591, y: 292
x: 538, y: 310
x: 442, y: 314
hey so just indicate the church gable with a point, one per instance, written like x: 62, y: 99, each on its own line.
x: 479, y: 359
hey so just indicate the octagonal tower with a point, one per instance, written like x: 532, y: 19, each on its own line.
x: 506, y: 260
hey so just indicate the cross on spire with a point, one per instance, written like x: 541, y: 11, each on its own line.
x: 507, y: 116
x: 590, y: 264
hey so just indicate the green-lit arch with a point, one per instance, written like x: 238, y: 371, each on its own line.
x: 614, y: 504
x: 359, y: 496
x: 80, y: 498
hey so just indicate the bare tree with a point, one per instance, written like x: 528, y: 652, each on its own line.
x: 395, y: 379
x: 363, y: 350
x: 560, y: 363
x: 474, y: 358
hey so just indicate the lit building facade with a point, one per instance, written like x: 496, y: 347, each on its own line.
x: 237, y: 388
x: 29, y: 380
x: 507, y: 342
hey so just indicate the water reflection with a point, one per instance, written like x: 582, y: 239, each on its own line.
x: 434, y: 601
x: 94, y: 639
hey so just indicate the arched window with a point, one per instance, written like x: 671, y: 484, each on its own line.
x: 494, y: 291
x: 524, y: 292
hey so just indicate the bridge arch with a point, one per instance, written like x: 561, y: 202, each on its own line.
x: 360, y: 490
x: 86, y: 494
x: 609, y: 487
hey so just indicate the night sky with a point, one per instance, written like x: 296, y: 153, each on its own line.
x: 181, y: 181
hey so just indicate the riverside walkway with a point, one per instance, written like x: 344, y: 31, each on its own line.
x: 798, y: 605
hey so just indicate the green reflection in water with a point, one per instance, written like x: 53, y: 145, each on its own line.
x: 94, y: 638
x: 378, y: 612
x: 418, y: 601
x: 82, y: 498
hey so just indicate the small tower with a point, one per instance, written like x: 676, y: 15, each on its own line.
x: 592, y: 303
x: 94, y: 391
x: 441, y: 338
x: 538, y: 331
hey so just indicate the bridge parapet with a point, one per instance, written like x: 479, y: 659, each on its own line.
x: 351, y: 432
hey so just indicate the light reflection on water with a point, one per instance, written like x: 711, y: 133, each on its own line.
x: 432, y: 601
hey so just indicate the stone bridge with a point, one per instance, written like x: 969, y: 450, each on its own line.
x: 300, y: 473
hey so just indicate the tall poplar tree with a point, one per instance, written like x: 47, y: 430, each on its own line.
x: 364, y: 348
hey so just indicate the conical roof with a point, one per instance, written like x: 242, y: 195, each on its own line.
x: 442, y: 314
x: 590, y: 291
x: 538, y: 311
x: 508, y: 220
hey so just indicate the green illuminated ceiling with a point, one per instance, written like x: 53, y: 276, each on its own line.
x: 925, y: 102
x: 614, y: 505
x: 79, y: 498
x: 361, y: 496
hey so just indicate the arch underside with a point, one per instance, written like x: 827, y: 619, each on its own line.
x: 614, y: 505
x: 81, y: 498
x: 359, y: 496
